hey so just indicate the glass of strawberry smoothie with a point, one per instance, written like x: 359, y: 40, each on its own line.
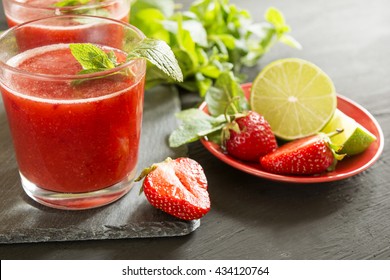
x: 76, y: 137
x: 20, y: 11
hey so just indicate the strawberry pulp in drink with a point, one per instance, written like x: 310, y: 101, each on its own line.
x: 18, y: 11
x: 66, y: 29
x: 33, y: 36
x: 73, y: 136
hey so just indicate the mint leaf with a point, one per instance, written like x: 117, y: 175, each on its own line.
x: 166, y: 7
x: 192, y: 114
x: 196, y: 29
x: 290, y: 41
x: 274, y: 16
x: 112, y: 57
x: 83, y: 10
x: 226, y: 96
x: 150, y: 21
x: 91, y: 57
x: 195, y: 124
x: 186, y: 46
x: 67, y: 3
x: 159, y: 54
x: 187, y: 133
x: 203, y: 83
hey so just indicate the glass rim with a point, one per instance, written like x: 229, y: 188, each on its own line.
x: 41, y: 76
x: 66, y: 8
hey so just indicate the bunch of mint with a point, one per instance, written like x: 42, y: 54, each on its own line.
x: 210, y: 39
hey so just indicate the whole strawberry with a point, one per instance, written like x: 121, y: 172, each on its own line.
x: 307, y: 156
x: 177, y: 187
x: 249, y: 137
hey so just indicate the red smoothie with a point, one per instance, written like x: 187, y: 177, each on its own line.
x: 34, y: 36
x: 73, y: 137
x: 66, y: 29
x: 20, y: 11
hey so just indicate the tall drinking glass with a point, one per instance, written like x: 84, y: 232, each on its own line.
x: 76, y: 137
x: 20, y: 11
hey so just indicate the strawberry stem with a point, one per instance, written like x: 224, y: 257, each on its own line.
x: 145, y: 172
x: 231, y: 104
x: 149, y: 169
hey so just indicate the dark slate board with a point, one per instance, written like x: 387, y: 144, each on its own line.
x: 24, y: 220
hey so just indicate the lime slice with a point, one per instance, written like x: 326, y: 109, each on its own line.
x: 295, y: 96
x: 354, y: 139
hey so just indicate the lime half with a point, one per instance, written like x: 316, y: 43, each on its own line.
x: 354, y: 139
x: 295, y: 96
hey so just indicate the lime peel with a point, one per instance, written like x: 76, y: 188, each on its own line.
x: 355, y: 138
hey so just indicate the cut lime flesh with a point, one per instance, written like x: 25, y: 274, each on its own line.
x: 354, y: 139
x: 295, y: 96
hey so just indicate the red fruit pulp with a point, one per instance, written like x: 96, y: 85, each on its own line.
x: 305, y: 144
x: 71, y: 30
x: 31, y: 37
x: 34, y: 9
x: 73, y: 138
x: 178, y: 187
x: 305, y: 156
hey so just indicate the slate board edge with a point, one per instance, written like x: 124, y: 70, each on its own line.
x: 106, y: 233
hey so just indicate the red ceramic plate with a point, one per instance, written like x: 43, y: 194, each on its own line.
x: 345, y: 168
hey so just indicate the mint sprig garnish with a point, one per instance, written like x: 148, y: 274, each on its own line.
x: 94, y: 59
x: 160, y: 55
x: 82, y: 10
x: 68, y: 3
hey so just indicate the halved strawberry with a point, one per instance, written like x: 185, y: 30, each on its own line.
x: 177, y: 187
x: 249, y: 137
x: 307, y: 156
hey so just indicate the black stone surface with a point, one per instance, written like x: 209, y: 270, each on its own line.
x: 24, y: 220
x: 253, y: 218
